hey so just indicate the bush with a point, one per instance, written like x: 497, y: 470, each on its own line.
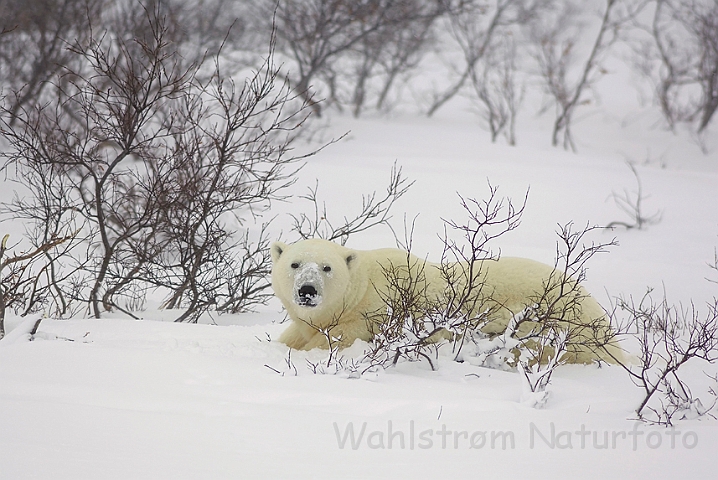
x: 158, y: 164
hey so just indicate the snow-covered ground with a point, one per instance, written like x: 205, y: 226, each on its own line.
x: 121, y: 398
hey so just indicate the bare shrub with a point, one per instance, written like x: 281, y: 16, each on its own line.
x: 33, y: 45
x: 551, y: 329
x: 417, y: 319
x: 558, y: 333
x: 669, y: 336
x: 389, y: 52
x: 682, y: 60
x: 497, y: 91
x: 567, y: 80
x: 536, y: 376
x: 477, y: 28
x: 50, y: 213
x: 467, y: 306
x: 714, y: 266
x: 324, y: 37
x: 397, y: 51
x: 374, y: 212
x: 334, y: 341
x: 231, y: 160
x: 36, y: 35
x: 159, y: 164
x: 409, y: 326
x: 193, y: 28
x: 27, y: 278
x: 631, y: 203
x: 288, y: 368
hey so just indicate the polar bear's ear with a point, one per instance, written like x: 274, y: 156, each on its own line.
x: 277, y: 249
x: 350, y: 259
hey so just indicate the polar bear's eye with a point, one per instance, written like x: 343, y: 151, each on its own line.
x: 295, y: 265
x: 327, y: 268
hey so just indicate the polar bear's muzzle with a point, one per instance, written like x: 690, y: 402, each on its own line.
x: 308, y: 285
x: 307, y: 296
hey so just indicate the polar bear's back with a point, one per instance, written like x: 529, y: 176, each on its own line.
x: 515, y: 283
x: 515, y: 280
x: 509, y: 281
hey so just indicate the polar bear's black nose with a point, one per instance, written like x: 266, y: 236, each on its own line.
x: 307, y: 294
x: 307, y: 291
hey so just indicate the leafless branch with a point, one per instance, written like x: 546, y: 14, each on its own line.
x: 682, y: 57
x: 669, y: 336
x: 20, y: 281
x: 374, y: 212
x: 160, y: 164
x: 632, y: 204
x: 555, y: 52
x: 474, y: 26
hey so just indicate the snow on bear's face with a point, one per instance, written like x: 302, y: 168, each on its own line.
x: 312, y: 278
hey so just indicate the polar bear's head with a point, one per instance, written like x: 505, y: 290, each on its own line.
x: 315, y: 279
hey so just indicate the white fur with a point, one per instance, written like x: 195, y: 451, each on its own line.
x: 353, y: 288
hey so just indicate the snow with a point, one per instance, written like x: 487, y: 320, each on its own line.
x: 144, y: 399
x: 121, y: 398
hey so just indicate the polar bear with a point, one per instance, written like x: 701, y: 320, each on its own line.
x: 326, y: 286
